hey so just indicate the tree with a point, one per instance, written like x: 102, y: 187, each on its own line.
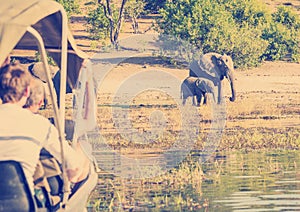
x: 98, y: 24
x: 115, y: 21
x: 133, y: 10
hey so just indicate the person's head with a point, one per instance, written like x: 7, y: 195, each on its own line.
x: 36, y: 97
x: 14, y: 84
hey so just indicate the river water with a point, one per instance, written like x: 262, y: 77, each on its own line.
x: 265, y: 181
x: 230, y: 181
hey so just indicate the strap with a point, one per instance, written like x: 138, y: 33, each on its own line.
x: 10, y: 138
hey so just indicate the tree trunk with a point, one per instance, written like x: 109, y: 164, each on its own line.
x: 114, y: 28
x: 119, y: 23
x: 135, y: 25
x: 111, y: 21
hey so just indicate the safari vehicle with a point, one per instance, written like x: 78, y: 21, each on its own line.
x: 42, y: 25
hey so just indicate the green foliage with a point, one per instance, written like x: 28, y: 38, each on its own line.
x: 176, y: 51
x: 246, y: 30
x: 154, y: 6
x: 251, y: 12
x: 248, y: 46
x: 283, y: 36
x: 134, y: 8
x: 104, y: 21
x: 50, y: 60
x: 287, y: 17
x: 71, y: 6
x: 98, y: 24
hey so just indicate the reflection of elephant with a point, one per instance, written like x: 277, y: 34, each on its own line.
x: 37, y: 70
x: 199, y: 88
x: 215, y: 67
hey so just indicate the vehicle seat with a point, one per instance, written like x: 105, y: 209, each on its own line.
x: 15, y: 193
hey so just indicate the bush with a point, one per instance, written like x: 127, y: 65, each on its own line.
x: 98, y: 24
x: 250, y: 12
x: 287, y: 17
x: 283, y: 36
x: 133, y: 10
x: 71, y: 6
x: 154, y: 6
x: 246, y: 30
x: 248, y: 47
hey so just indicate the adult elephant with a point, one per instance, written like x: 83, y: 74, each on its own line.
x: 37, y: 70
x: 215, y: 67
x: 56, y: 83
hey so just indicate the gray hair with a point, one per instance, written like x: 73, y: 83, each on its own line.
x: 37, y: 93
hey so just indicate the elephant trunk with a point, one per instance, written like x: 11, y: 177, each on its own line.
x: 232, y: 85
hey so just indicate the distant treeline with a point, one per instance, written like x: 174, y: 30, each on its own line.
x: 247, y: 30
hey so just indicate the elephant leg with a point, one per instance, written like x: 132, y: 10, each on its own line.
x: 183, y: 95
x: 214, y: 97
x: 204, y: 98
x: 211, y: 89
x: 199, y: 97
x: 219, y: 93
x: 215, y: 94
x: 183, y: 101
x: 193, y: 99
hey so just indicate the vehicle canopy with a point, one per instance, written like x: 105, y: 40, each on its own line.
x: 48, y: 18
x: 42, y: 25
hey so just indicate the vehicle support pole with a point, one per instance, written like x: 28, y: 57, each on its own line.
x: 57, y: 121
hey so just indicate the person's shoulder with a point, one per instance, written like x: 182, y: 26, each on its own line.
x: 40, y: 118
x: 34, y: 118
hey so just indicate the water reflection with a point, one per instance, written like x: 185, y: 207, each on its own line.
x: 260, y: 182
x: 232, y: 181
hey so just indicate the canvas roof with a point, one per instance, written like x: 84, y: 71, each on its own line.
x: 44, y: 16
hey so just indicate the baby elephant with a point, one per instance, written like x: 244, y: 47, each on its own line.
x: 197, y: 87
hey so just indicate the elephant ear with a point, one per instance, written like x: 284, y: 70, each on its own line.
x: 197, y: 82
x: 220, y: 66
x: 200, y: 85
x: 216, y: 60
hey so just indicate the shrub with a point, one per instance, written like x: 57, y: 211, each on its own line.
x: 248, y: 47
x: 97, y: 24
x: 154, y: 6
x: 133, y: 10
x: 283, y: 36
x: 287, y: 17
x: 246, y: 30
x: 71, y: 6
x: 250, y: 12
